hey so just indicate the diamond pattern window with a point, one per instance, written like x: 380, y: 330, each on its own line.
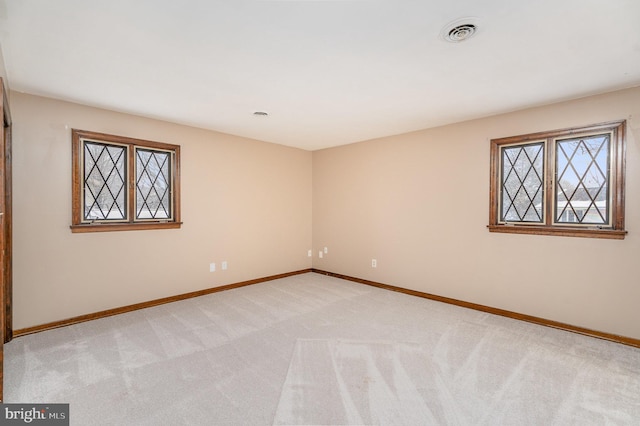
x: 104, y: 181
x: 582, y: 180
x: 522, y: 183
x: 566, y: 182
x: 122, y: 183
x: 153, y: 184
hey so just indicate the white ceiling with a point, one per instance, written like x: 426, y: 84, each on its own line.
x: 327, y: 72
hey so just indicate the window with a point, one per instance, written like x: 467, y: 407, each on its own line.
x: 566, y: 182
x: 123, y: 183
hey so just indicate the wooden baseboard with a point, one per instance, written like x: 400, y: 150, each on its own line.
x: 496, y: 311
x: 143, y: 305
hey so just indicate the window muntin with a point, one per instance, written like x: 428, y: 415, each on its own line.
x: 581, y: 189
x: 582, y: 180
x: 522, y: 183
x: 122, y: 183
x: 104, y: 181
x: 153, y: 184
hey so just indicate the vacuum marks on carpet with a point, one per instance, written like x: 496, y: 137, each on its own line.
x: 351, y: 382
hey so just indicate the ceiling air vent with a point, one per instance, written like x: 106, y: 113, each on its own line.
x: 461, y: 33
x: 459, y: 30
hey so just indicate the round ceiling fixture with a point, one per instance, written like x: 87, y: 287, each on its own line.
x: 261, y: 113
x: 459, y: 30
x: 461, y: 33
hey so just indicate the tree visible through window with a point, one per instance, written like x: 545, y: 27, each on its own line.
x: 522, y: 183
x: 565, y: 182
x: 104, y: 181
x: 153, y: 184
x: 582, y: 180
x: 123, y: 183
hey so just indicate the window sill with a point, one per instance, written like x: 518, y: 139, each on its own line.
x: 111, y: 227
x: 559, y: 231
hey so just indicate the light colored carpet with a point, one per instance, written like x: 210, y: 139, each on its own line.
x: 312, y: 349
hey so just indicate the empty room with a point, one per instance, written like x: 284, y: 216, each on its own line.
x: 320, y: 212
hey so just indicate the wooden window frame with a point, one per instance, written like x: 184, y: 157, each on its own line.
x: 615, y: 230
x: 131, y: 223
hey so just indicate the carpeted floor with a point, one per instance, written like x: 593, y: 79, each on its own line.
x: 312, y: 349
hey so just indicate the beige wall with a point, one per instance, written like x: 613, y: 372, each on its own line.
x: 419, y: 204
x: 3, y: 70
x: 243, y: 201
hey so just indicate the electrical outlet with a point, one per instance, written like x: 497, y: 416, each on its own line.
x: 309, y: 253
x: 224, y: 265
x: 374, y: 263
x: 212, y: 267
x: 320, y: 254
x: 326, y: 250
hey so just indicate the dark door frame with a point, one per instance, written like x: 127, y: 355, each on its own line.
x: 6, y: 231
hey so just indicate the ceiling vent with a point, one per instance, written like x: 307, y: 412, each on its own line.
x: 459, y: 30
x: 461, y: 33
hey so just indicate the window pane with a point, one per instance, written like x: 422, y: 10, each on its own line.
x: 153, y: 184
x: 522, y: 187
x: 582, y: 180
x: 104, y: 177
